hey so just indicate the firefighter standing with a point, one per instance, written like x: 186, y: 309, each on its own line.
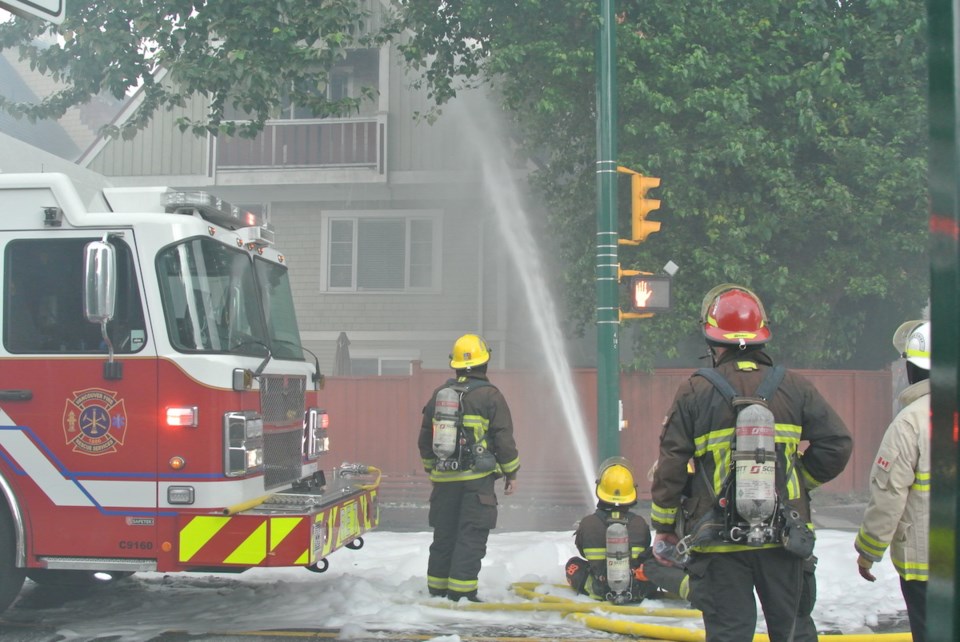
x: 899, y: 506
x: 466, y: 443
x: 588, y: 575
x: 726, y: 565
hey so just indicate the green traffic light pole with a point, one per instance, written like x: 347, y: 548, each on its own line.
x: 608, y: 299
x: 943, y: 618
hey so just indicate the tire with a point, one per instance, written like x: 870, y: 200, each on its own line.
x: 73, y: 579
x: 11, y: 577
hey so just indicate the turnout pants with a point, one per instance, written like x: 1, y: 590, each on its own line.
x: 915, y: 595
x: 462, y: 513
x: 723, y: 584
x: 806, y: 630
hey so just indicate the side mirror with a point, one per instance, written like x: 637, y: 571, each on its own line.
x: 99, y: 281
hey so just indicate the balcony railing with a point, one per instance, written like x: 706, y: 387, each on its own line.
x: 307, y: 144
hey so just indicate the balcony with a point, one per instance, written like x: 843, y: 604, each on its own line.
x: 346, y: 143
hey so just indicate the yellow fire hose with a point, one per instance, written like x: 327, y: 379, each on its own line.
x: 239, y: 508
x: 679, y: 634
x: 376, y: 482
x: 591, y: 615
x: 525, y: 589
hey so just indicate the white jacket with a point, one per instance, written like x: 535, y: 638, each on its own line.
x: 898, y: 514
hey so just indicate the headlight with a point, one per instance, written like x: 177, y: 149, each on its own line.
x: 315, y: 424
x: 242, y: 443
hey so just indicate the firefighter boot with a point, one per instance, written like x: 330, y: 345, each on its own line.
x: 456, y: 596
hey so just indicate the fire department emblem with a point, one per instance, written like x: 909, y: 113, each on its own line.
x: 94, y: 421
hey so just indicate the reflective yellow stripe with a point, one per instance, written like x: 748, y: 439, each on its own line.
x: 661, y: 515
x: 717, y: 443
x: 871, y: 546
x: 594, y: 554
x: 730, y: 548
x: 479, y: 425
x: 330, y: 541
x: 461, y: 586
x: 912, y: 570
x: 253, y: 550
x: 439, y: 583
x: 921, y: 482
x: 198, y: 532
x: 511, y: 466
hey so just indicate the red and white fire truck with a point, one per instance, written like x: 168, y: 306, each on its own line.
x: 157, y: 410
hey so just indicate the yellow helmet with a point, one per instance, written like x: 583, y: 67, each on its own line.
x: 469, y: 351
x: 615, y: 483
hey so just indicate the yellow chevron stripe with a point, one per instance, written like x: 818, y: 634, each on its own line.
x: 198, y: 532
x: 331, y: 518
x: 280, y: 527
x: 253, y: 550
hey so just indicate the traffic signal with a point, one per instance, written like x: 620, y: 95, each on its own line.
x: 640, y: 207
x: 649, y: 293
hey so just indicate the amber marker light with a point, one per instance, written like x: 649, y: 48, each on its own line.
x: 177, y: 463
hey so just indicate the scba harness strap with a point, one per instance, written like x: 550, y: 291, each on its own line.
x: 733, y: 529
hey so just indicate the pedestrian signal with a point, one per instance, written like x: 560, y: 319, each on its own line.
x: 649, y: 293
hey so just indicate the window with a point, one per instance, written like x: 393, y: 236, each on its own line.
x: 339, y: 85
x: 380, y: 366
x: 43, y: 300
x: 358, y: 70
x: 377, y: 252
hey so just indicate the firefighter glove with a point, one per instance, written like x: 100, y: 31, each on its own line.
x: 639, y: 575
x: 664, y: 548
x: 864, y: 565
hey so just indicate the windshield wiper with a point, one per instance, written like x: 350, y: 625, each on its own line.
x: 252, y: 341
x: 318, y: 378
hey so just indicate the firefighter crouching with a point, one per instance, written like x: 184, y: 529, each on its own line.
x: 466, y: 443
x: 615, y: 545
x: 748, y: 523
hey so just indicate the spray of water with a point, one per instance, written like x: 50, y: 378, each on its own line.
x: 514, y: 226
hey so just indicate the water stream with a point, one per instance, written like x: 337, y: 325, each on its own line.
x: 513, y: 222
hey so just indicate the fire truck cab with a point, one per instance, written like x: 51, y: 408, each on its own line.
x: 157, y: 409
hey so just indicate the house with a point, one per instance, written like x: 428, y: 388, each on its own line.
x: 383, y: 218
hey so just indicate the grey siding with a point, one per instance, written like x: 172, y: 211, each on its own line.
x: 160, y: 149
x: 414, y: 143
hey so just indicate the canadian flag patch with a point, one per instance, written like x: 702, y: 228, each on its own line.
x: 883, y: 463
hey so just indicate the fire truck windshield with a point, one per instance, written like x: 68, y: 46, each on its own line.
x: 278, y: 304
x: 214, y: 300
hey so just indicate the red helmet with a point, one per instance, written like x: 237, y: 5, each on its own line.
x: 733, y: 314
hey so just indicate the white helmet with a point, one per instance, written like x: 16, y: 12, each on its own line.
x: 912, y: 341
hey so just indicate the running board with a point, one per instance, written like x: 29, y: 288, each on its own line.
x: 98, y: 564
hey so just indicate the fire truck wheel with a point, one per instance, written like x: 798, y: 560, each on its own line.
x: 356, y: 544
x: 66, y: 578
x: 11, y: 577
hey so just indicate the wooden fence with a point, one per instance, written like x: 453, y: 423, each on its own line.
x: 375, y: 420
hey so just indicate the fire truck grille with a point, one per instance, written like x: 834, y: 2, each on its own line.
x: 282, y: 406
